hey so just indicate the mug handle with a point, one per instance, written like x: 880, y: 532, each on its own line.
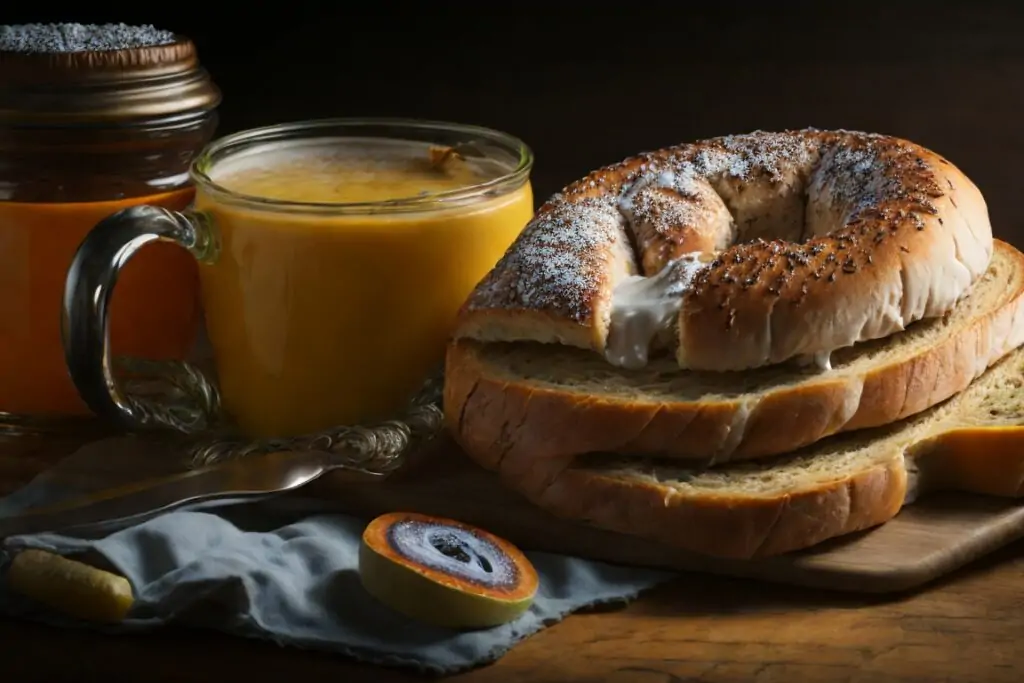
x: 84, y: 321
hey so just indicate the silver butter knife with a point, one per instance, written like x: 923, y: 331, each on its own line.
x: 249, y: 478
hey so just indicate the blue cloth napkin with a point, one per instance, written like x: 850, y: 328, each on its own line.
x: 249, y: 572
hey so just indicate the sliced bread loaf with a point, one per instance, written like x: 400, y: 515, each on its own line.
x: 548, y: 401
x: 974, y: 442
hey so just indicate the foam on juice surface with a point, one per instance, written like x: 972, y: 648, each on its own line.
x: 346, y: 170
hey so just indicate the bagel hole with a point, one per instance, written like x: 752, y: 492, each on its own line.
x: 763, y: 209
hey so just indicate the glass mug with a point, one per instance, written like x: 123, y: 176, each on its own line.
x: 333, y: 257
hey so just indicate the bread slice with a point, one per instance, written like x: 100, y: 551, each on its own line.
x: 548, y: 401
x: 974, y: 442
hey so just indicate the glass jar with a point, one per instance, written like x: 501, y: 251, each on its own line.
x: 334, y: 258
x: 83, y: 134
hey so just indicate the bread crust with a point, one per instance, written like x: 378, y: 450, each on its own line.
x: 724, y: 527
x: 493, y: 416
x: 975, y: 445
x: 869, y: 233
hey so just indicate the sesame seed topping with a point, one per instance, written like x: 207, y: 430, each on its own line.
x: 559, y: 261
x: 63, y: 38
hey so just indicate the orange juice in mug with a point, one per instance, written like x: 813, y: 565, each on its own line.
x: 333, y: 258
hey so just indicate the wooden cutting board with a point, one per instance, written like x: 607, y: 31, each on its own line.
x: 933, y: 537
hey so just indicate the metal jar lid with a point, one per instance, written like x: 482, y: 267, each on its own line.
x: 70, y: 74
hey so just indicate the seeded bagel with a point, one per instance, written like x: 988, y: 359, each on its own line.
x: 740, y: 252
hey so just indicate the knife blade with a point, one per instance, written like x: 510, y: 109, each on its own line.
x: 249, y: 478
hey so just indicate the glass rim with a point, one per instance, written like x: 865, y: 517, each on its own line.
x: 204, y: 162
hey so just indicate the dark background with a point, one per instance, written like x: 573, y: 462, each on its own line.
x: 587, y: 83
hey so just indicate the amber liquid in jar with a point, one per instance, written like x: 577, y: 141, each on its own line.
x: 68, y: 160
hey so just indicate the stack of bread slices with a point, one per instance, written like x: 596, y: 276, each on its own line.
x: 748, y: 345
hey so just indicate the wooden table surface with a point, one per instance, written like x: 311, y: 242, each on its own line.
x: 697, y: 628
x: 926, y: 77
x: 967, y: 628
